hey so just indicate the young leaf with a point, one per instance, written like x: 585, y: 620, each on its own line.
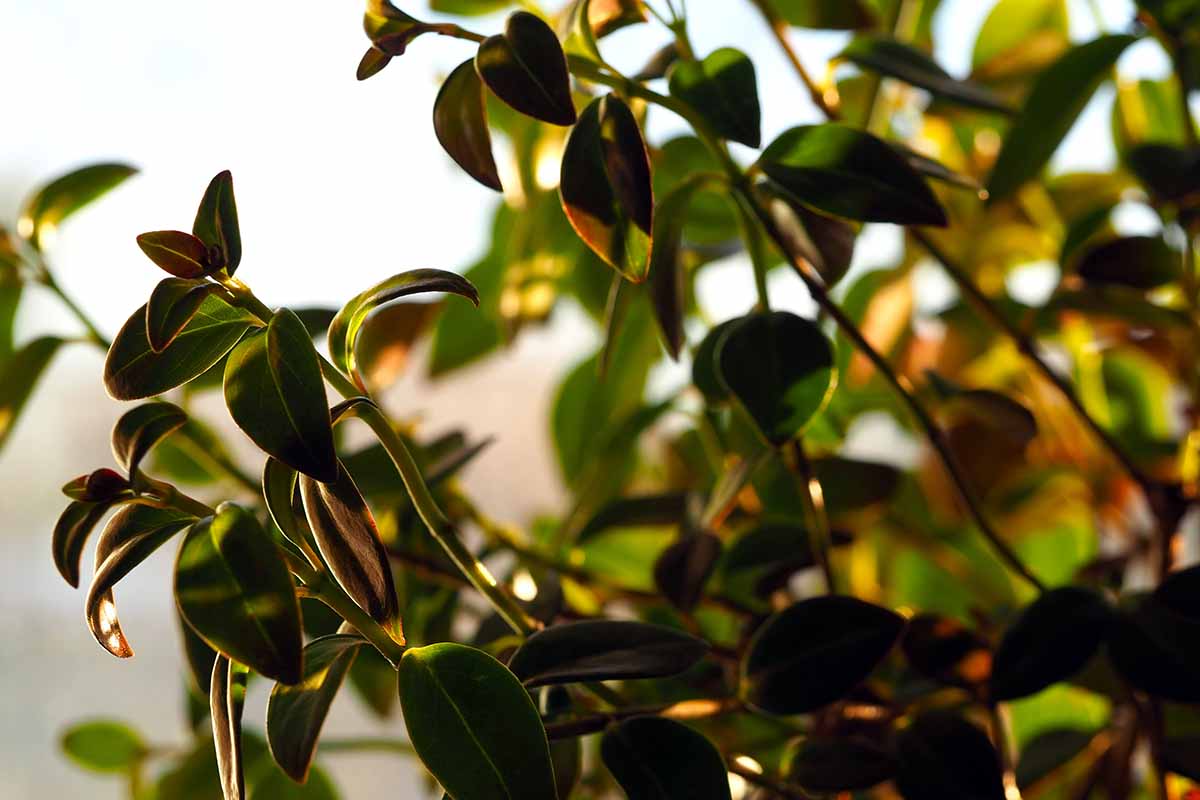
x: 526, y: 69
x: 682, y: 570
x: 276, y: 395
x: 1140, y: 262
x: 140, y: 429
x: 828, y: 764
x: 63, y: 196
x: 605, y: 186
x: 234, y: 590
x: 295, y: 714
x: 848, y: 173
x: 943, y: 755
x: 604, y: 650
x: 660, y: 759
x: 133, y: 371
x: 1051, y: 641
x: 104, y: 746
x: 1057, y: 98
x: 815, y: 652
x: 71, y: 531
x: 171, y: 307
x: 473, y: 725
x: 217, y: 222
x: 780, y: 369
x: 723, y: 89
x: 18, y: 378
x: 460, y: 122
x: 179, y: 253
x: 98, y: 486
x: 372, y: 63
x: 227, y: 697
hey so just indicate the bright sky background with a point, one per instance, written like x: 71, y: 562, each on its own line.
x: 339, y: 184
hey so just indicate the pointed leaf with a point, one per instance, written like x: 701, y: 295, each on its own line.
x: 227, y: 697
x: 604, y: 650
x: 18, y: 378
x: 724, y: 90
x: 71, y: 531
x: 99, y: 486
x: 526, y: 69
x: 841, y: 764
x: 827, y: 243
x: 217, y: 223
x: 943, y: 755
x: 179, y: 253
x: 705, y: 376
x: 668, y: 277
x: 660, y: 759
x: 140, y: 429
x: 372, y: 63
x: 63, y: 196
x: 460, y: 121
x: 279, y: 493
x: 172, y: 305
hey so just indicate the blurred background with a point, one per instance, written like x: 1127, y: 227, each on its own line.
x: 339, y: 184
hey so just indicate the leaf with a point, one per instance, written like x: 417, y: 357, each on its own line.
x: 840, y: 764
x: 682, y: 570
x: 279, y: 491
x: 604, y: 650
x: 636, y: 511
x: 277, y: 786
x: 104, y: 746
x: 943, y: 649
x: 654, y: 758
x: 19, y: 376
x: 705, y: 375
x: 295, y: 714
x: 217, y: 223
x: 1052, y: 640
x: 460, y: 122
x: 227, y: 696
x: 903, y: 62
x: 1140, y: 262
x: 815, y: 652
x: 842, y: 15
x: 133, y: 371
x: 349, y: 542
x: 98, y: 486
x: 468, y: 8
x: 1019, y: 37
x: 780, y: 369
x: 71, y: 531
x: 473, y: 725
x: 848, y: 173
x: 1057, y: 98
x: 1169, y: 173
x: 345, y: 327
x: 943, y: 755
x: 1153, y: 639
x: 1042, y: 755
x: 825, y: 242
x: 605, y: 186
x: 140, y: 429
x: 724, y: 91
x: 173, y: 303
x: 668, y: 276
x: 11, y: 288
x: 372, y: 63
x: 63, y: 196
x: 234, y: 590
x: 130, y: 537
x: 526, y: 68
x: 276, y: 395
x: 179, y: 253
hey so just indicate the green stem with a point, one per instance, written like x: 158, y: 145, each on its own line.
x: 367, y: 744
x: 93, y: 333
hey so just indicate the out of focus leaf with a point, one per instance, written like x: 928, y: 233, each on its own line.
x: 660, y: 759
x: 943, y: 755
x: 63, y: 196
x: 104, y: 746
x: 19, y: 376
x: 1140, y: 262
x: 840, y: 764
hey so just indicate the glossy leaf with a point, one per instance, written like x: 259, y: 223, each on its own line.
x: 171, y: 307
x: 904, y: 62
x: 140, y: 429
x: 780, y: 369
x: 815, y: 652
x: 181, y: 254
x: 943, y: 755
x: 295, y: 714
x: 1140, y: 262
x: 372, y: 63
x: 605, y: 186
x: 526, y: 68
x: 1057, y: 98
x: 276, y: 395
x: 848, y: 173
x: 705, y: 372
x: 602, y: 650
x: 133, y: 371
x: 840, y: 764
x: 63, y: 196
x: 279, y: 492
x: 217, y: 223
x: 682, y: 570
x: 723, y: 89
x: 234, y: 590
x: 104, y: 746
x: 473, y: 724
x: 18, y: 378
x: 460, y: 121
x: 654, y: 758
x: 74, y: 526
x: 227, y: 697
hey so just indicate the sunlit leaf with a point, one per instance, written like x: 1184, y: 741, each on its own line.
x: 724, y: 90
x: 227, y: 697
x: 217, y: 222
x: 171, y: 307
x: 71, y: 531
x: 62, y: 197
x: 140, y: 429
x: 526, y: 69
x: 181, y: 254
x: 19, y: 375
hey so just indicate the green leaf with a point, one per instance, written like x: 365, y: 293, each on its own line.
x: 605, y: 186
x: 181, y: 254
x: 295, y: 714
x: 234, y: 590
x: 841, y: 15
x: 279, y: 494
x: 943, y: 755
x: 1045, y: 753
x: 140, y: 429
x: 469, y: 8
x: 11, y: 288
x: 133, y: 371
x: 1057, y: 98
x: 217, y: 223
x: 1154, y: 639
x: 660, y: 759
x: 1052, y: 640
x: 848, y: 173
x: 724, y: 91
x: 1169, y: 173
x: 227, y: 697
x: 1017, y: 37
x: 473, y: 725
x: 827, y: 243
x: 1140, y: 262
x: 668, y: 276
x: 705, y: 374
x: 63, y: 196
x: 172, y: 305
x: 682, y: 570
x: 460, y: 122
x: 345, y: 327
x: 604, y: 650
x: 18, y: 378
x: 130, y: 537
x: 71, y: 531
x: 526, y: 68
x: 815, y: 652
x: 637, y: 511
x: 349, y: 542
x: 104, y: 746
x: 840, y: 764
x: 275, y: 785
x: 276, y: 395
x: 780, y: 368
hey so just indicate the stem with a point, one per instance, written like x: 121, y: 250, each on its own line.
x: 754, y: 248
x: 780, y: 30
x: 93, y: 333
x: 770, y: 784
x: 1003, y: 741
x: 364, y: 744
x: 820, y: 537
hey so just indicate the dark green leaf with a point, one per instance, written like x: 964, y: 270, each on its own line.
x: 18, y: 378
x: 171, y: 307
x: 217, y: 223
x: 842, y: 764
x: 526, y: 69
x: 1057, y: 98
x: 943, y: 755
x: 850, y: 485
x: 636, y: 511
x: 723, y: 89
x: 705, y: 374
x: 104, y: 746
x: 815, y: 652
x: 661, y: 759
x: 460, y: 121
x: 1046, y: 752
x: 668, y: 275
x: 1140, y: 262
x: 605, y: 186
x: 140, y: 429
x: 842, y: 15
x: 279, y: 492
x: 825, y: 242
x: 1154, y: 638
x: 780, y: 369
x: 473, y: 725
x: 179, y: 253
x: 274, y: 785
x: 849, y: 173
x: 682, y: 570
x: 227, y: 697
x: 71, y: 531
x: 1170, y: 173
x: 276, y: 395
x: 603, y: 650
x: 63, y: 196
x: 235, y: 591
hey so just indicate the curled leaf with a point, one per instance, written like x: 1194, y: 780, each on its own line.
x: 140, y: 429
